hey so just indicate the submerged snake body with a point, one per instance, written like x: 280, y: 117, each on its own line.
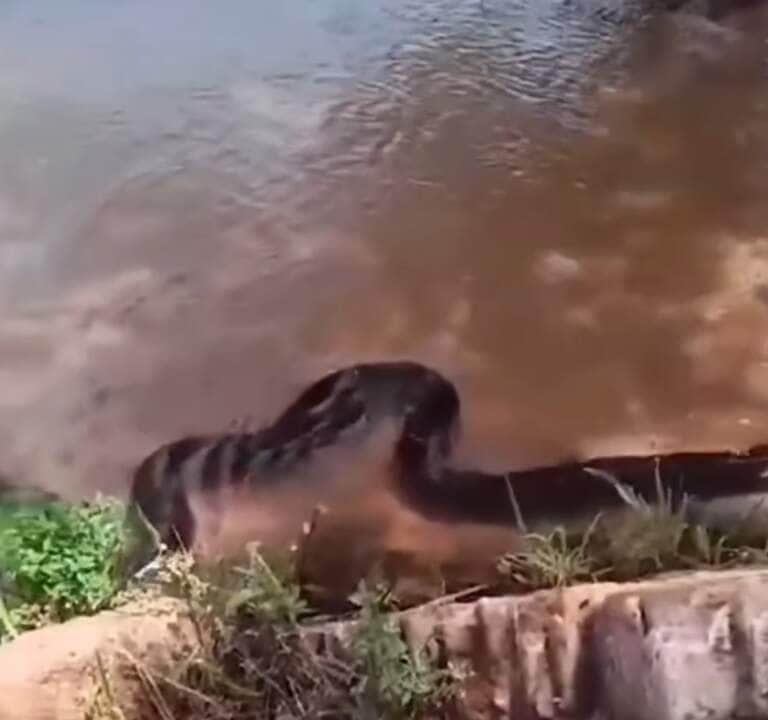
x: 343, y: 405
x: 350, y: 402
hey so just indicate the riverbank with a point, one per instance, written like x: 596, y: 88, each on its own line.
x: 665, y: 649
x: 238, y: 638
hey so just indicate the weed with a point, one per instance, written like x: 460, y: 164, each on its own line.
x: 267, y: 594
x: 648, y: 537
x: 264, y: 661
x: 643, y: 538
x: 553, y: 560
x: 392, y: 681
x: 58, y: 561
x: 8, y: 625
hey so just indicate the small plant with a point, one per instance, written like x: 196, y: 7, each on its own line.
x: 9, y: 624
x: 263, y: 661
x: 652, y: 537
x: 392, y: 681
x: 553, y: 560
x: 642, y: 538
x: 16, y: 617
x: 59, y: 560
x: 267, y: 595
x: 709, y: 550
x: 257, y: 664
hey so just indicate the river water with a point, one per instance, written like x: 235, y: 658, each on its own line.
x: 560, y: 204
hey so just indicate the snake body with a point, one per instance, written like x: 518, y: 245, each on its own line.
x: 349, y: 403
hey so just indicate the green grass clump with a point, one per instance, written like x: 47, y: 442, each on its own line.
x: 268, y: 593
x: 553, y: 560
x: 392, y: 681
x: 262, y: 662
x: 57, y: 561
x: 640, y: 539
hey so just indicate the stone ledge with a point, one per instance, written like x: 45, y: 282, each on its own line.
x: 675, y: 648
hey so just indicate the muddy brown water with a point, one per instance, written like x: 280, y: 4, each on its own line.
x: 562, y: 205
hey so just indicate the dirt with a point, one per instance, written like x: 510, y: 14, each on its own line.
x: 52, y: 673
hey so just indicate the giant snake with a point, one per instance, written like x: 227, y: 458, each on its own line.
x: 348, y: 404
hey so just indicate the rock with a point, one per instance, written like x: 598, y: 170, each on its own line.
x: 690, y: 648
x: 677, y: 648
x: 680, y: 647
x: 53, y: 673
